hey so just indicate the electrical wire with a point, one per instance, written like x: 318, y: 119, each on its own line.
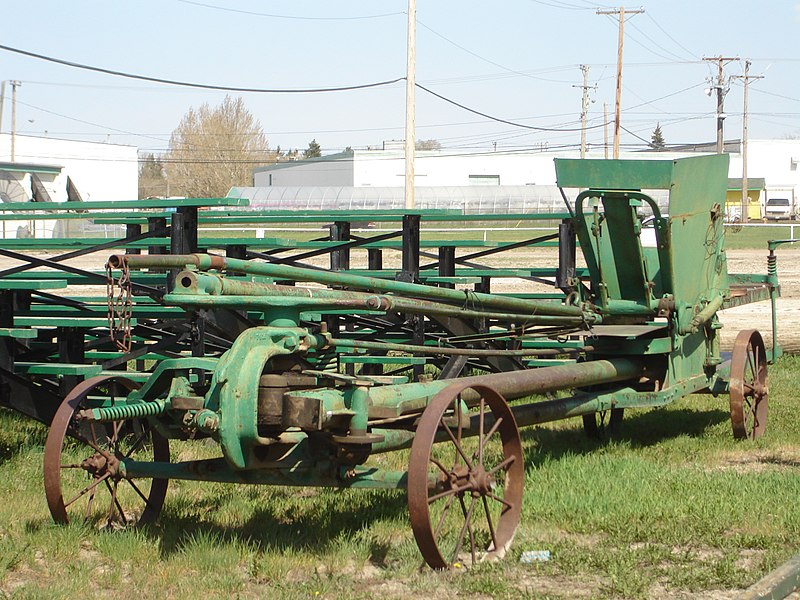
x: 497, y: 119
x: 203, y: 86
x: 274, y: 16
x: 486, y: 60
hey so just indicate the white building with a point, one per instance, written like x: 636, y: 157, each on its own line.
x: 98, y: 171
x: 773, y: 160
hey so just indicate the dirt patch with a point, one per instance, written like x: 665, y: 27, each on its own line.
x: 584, y: 586
x: 757, y: 461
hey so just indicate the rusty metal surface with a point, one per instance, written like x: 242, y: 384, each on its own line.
x: 478, y: 496
x: 104, y: 452
x: 749, y: 391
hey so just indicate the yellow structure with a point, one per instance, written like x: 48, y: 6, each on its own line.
x: 755, y: 192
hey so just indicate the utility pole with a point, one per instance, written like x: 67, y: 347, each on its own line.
x: 411, y: 83
x: 2, y: 101
x: 722, y: 89
x: 605, y: 130
x: 620, y: 12
x: 584, y: 106
x: 14, y: 86
x: 745, y: 196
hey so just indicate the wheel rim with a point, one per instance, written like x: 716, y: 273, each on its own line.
x: 749, y: 391
x: 473, y: 511
x: 81, y: 475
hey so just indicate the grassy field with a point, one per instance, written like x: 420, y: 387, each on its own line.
x: 674, y: 508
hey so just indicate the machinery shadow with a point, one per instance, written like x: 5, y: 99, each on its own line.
x: 639, y: 430
x: 275, y: 526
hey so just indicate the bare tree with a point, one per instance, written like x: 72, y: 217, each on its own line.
x: 428, y: 145
x: 213, y: 149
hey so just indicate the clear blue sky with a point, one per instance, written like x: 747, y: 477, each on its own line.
x: 516, y: 60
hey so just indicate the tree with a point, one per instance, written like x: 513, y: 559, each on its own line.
x: 657, y: 139
x: 213, y: 149
x: 428, y: 145
x: 152, y: 179
x: 313, y: 150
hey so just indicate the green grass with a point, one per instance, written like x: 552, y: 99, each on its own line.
x: 674, y: 505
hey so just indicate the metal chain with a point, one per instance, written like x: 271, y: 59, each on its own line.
x: 120, y: 307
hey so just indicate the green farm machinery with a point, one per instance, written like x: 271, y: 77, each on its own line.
x: 635, y: 326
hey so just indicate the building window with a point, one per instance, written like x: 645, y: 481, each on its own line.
x: 484, y: 179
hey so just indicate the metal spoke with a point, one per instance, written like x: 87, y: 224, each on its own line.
x: 489, y: 521
x: 441, y: 467
x: 450, y: 492
x: 135, y: 446
x: 502, y: 465
x: 459, y: 449
x: 87, y: 489
x: 498, y: 499
x: 443, y: 516
x: 492, y: 430
x: 463, y: 533
x: 138, y: 491
x: 89, y: 506
x: 481, y: 409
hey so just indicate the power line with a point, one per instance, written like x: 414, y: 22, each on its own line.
x: 203, y: 86
x: 665, y: 32
x: 492, y: 118
x: 484, y: 59
x: 297, y: 18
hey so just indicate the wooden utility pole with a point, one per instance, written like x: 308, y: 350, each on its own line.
x: 14, y: 86
x: 745, y: 196
x: 620, y: 12
x: 2, y: 101
x: 722, y: 88
x: 584, y: 106
x: 605, y: 130
x: 411, y: 83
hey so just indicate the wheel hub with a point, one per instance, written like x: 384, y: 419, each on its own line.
x: 101, y: 464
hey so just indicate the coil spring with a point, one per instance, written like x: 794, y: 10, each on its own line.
x: 129, y: 411
x: 772, y: 265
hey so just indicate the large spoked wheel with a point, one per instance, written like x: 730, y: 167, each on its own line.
x: 748, y: 386
x: 465, y: 493
x: 82, y: 479
x: 604, y: 424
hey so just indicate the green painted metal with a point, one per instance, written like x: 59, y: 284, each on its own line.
x: 32, y: 284
x: 637, y: 327
x: 206, y: 262
x: 169, y: 203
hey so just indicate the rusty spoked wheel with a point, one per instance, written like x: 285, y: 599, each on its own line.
x: 748, y: 385
x: 465, y: 493
x: 82, y: 478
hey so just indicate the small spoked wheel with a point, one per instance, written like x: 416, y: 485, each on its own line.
x: 604, y: 424
x: 82, y: 476
x: 465, y: 477
x: 749, y: 391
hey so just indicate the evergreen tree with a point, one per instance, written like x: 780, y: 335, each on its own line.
x: 152, y: 179
x: 657, y: 139
x: 313, y: 150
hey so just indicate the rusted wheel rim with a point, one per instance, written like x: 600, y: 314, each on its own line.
x: 81, y: 476
x: 749, y: 391
x: 471, y: 512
